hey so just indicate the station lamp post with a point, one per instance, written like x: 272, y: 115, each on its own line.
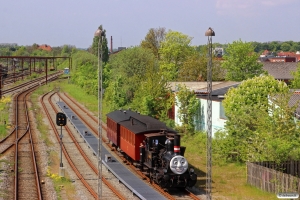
x: 209, y: 33
x: 99, y: 33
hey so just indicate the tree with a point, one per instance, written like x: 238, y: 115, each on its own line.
x: 173, y: 52
x: 102, y: 43
x: 285, y: 46
x: 188, y: 107
x: 153, y: 40
x: 240, y: 61
x: 194, y: 68
x: 153, y: 97
x: 125, y: 72
x: 296, y: 78
x: 247, y: 108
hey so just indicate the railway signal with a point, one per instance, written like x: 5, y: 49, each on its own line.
x: 61, y: 120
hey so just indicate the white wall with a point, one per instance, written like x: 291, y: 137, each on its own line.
x: 217, y: 122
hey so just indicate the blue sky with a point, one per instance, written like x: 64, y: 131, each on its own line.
x: 59, y: 22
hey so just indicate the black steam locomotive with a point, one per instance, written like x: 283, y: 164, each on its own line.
x: 162, y: 158
x: 152, y: 146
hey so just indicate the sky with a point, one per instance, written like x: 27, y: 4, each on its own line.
x: 74, y: 22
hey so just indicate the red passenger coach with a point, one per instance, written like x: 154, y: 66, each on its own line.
x: 126, y: 129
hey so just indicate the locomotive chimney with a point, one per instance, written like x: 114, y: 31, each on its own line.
x: 170, y: 146
x: 176, y: 145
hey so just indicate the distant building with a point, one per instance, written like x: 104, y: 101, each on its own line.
x: 45, y: 47
x: 219, y: 52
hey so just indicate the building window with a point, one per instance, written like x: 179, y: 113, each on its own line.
x: 222, y: 112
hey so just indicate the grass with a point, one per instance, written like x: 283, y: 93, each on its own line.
x: 229, y: 180
x: 4, y: 114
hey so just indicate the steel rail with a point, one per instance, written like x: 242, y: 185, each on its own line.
x: 18, y: 138
x: 93, y: 193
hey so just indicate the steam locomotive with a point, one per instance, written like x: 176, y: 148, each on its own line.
x: 151, y: 146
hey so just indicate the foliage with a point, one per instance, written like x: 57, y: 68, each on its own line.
x: 173, y: 52
x: 194, y: 68
x: 153, y: 96
x: 296, y: 78
x: 103, y: 44
x: 188, y: 106
x: 251, y: 119
x: 85, y: 71
x: 153, y: 40
x: 126, y: 71
x: 240, y: 61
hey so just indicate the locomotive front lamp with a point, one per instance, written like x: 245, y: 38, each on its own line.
x: 192, y: 170
x: 99, y: 33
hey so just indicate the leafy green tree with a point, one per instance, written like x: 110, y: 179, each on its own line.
x: 173, y: 52
x: 188, y: 106
x: 285, y: 46
x: 247, y: 108
x: 240, y: 61
x: 102, y: 43
x: 126, y: 70
x: 84, y: 64
x: 295, y: 47
x: 296, y: 78
x: 153, y: 97
x: 279, y: 133
x: 21, y: 51
x: 153, y: 40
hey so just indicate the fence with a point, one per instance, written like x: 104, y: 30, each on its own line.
x: 265, y: 175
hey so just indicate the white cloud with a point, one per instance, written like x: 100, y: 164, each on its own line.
x: 276, y: 2
x: 246, y: 8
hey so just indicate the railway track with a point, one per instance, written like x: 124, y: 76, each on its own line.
x: 92, y: 122
x: 20, y: 149
x: 77, y: 158
x: 35, y: 82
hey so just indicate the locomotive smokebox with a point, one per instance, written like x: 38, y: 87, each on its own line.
x: 176, y: 145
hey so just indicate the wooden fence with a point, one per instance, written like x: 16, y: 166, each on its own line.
x: 264, y: 175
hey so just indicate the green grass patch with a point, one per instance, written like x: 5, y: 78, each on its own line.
x: 4, y: 115
x: 229, y: 180
x: 78, y: 93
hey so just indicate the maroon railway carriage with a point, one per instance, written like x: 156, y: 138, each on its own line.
x: 126, y: 129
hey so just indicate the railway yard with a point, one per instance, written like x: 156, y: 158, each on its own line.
x: 30, y: 167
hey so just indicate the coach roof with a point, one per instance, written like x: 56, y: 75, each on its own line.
x: 136, y: 122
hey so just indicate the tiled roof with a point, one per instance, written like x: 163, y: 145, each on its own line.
x: 280, y: 71
x: 295, y: 99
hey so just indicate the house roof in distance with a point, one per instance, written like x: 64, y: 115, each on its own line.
x: 281, y: 70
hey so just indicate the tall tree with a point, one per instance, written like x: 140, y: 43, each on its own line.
x: 153, y: 96
x: 296, y: 78
x: 285, y: 46
x: 188, y: 106
x: 126, y: 70
x: 247, y: 108
x: 153, y: 40
x: 102, y: 43
x: 173, y: 52
x: 240, y: 61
